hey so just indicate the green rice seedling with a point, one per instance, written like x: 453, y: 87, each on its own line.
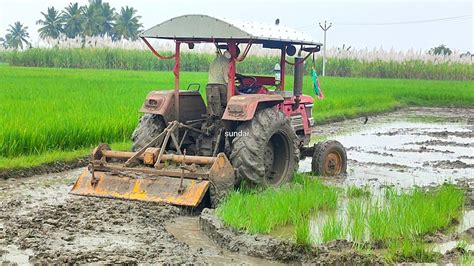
x: 462, y: 244
x: 302, y: 229
x: 358, y: 192
x: 379, y: 221
x: 356, y: 217
x: 332, y: 229
x: 410, y: 250
x: 415, y: 213
x: 261, y: 211
x: 466, y: 260
x: 390, y: 192
x: 299, y: 178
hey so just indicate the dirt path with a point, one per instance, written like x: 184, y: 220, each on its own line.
x: 41, y: 222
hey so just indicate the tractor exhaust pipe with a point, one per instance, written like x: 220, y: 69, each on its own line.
x: 298, y: 82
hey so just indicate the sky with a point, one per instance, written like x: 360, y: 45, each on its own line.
x: 389, y: 24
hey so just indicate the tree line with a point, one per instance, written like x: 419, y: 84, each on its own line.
x: 94, y: 19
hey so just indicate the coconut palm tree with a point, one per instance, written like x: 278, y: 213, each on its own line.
x: 91, y: 21
x: 108, y: 17
x: 72, y: 19
x: 105, y: 14
x: 17, y: 35
x: 127, y: 24
x: 52, y: 24
x: 3, y: 42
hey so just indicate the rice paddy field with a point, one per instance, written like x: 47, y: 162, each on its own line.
x: 312, y: 213
x: 52, y: 114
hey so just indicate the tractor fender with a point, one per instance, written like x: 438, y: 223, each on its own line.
x: 191, y: 105
x: 160, y: 103
x: 243, y: 107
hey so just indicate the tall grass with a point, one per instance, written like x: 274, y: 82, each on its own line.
x: 344, y: 66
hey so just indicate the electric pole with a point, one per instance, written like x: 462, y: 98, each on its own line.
x: 324, y: 28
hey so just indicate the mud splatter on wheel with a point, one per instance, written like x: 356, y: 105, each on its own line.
x: 267, y: 152
x: 148, y: 128
x: 329, y: 159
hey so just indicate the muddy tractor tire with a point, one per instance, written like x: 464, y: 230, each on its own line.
x: 329, y: 159
x: 266, y: 151
x: 148, y: 128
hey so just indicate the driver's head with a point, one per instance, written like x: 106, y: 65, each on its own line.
x: 237, y: 51
x: 227, y: 55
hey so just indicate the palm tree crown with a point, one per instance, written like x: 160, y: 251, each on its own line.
x: 52, y: 24
x: 127, y: 25
x: 17, y: 35
x: 106, y: 16
x: 97, y: 18
x: 91, y: 21
x: 72, y: 19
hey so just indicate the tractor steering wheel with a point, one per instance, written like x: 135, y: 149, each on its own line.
x: 250, y: 88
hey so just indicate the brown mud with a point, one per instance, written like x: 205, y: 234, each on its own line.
x: 41, y: 223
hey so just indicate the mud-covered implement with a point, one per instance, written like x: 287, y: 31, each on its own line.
x: 184, y: 181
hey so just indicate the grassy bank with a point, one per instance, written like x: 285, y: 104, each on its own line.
x: 318, y: 213
x: 32, y: 160
x: 48, y: 110
x: 106, y: 58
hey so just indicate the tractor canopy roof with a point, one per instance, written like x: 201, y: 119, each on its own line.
x: 203, y: 28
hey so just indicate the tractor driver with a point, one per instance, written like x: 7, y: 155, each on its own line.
x: 219, y: 69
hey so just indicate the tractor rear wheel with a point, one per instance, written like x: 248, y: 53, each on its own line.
x: 265, y: 150
x: 148, y: 128
x: 329, y: 159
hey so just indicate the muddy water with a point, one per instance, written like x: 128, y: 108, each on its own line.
x: 447, y: 246
x: 405, y: 149
x: 186, y: 229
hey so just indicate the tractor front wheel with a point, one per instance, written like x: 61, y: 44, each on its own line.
x: 329, y: 159
x: 265, y: 150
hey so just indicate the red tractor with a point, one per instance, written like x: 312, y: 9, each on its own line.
x: 251, y: 128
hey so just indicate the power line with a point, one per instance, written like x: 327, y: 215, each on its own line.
x: 399, y: 22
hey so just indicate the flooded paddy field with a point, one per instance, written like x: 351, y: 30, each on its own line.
x: 41, y: 223
x: 416, y: 146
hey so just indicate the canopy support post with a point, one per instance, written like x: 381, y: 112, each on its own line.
x: 231, y: 82
x: 176, y: 78
x: 282, y: 68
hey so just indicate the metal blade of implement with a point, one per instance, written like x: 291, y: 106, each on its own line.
x: 158, y: 189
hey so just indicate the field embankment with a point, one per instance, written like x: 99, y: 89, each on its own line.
x: 113, y: 58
